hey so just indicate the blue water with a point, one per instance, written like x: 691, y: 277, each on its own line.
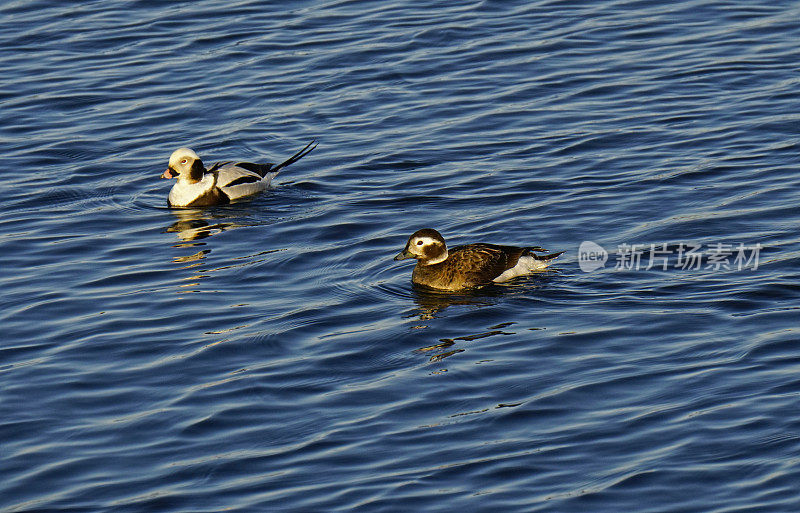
x: 271, y: 356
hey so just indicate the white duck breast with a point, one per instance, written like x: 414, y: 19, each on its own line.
x: 223, y: 183
x: 184, y: 193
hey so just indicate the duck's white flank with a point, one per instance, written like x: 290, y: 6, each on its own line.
x: 525, y: 265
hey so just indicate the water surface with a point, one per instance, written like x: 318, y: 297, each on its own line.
x: 270, y: 356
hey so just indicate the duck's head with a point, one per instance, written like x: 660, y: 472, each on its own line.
x: 184, y: 164
x: 426, y: 245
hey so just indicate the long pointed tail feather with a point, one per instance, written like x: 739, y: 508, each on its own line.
x: 551, y: 256
x: 294, y: 158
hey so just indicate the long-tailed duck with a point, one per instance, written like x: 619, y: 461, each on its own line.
x: 223, y: 183
x: 468, y: 266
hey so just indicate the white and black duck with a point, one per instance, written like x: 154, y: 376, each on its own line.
x: 223, y: 182
x: 470, y: 265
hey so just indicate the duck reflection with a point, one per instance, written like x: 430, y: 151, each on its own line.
x: 443, y: 349
x: 193, y: 225
x: 431, y: 303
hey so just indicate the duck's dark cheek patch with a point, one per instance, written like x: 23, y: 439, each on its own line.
x: 197, y: 170
x: 432, y: 251
x: 243, y: 179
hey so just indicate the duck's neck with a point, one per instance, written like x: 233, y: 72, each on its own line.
x: 437, y: 260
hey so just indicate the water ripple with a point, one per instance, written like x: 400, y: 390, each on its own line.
x: 233, y: 357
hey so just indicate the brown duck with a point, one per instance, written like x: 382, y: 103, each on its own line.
x: 470, y: 265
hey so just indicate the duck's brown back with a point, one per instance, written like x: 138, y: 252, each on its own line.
x: 468, y: 266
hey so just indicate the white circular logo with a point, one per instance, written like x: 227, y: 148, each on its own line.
x: 591, y: 256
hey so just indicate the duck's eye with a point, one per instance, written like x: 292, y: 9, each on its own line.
x: 419, y: 243
x: 184, y: 161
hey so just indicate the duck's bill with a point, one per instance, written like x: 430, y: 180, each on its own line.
x: 403, y: 255
x: 167, y: 174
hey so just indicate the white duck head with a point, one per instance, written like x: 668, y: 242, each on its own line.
x: 185, y: 165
